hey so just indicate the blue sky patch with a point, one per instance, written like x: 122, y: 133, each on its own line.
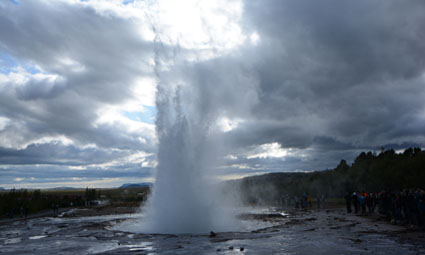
x: 146, y: 116
x: 8, y: 63
x: 125, y: 2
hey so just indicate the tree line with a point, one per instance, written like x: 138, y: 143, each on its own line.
x: 370, y: 172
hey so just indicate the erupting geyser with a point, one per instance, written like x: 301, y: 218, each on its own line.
x: 190, y: 100
x: 183, y: 199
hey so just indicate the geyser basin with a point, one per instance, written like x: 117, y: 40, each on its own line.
x: 315, y: 232
x: 245, y: 219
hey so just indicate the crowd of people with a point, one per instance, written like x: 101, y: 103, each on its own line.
x: 405, y: 207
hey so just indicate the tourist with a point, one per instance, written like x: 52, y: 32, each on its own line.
x: 362, y: 202
x: 370, y: 201
x: 348, y: 202
x: 355, y: 201
x: 309, y: 201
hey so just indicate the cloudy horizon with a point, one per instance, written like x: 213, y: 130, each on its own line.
x: 294, y: 85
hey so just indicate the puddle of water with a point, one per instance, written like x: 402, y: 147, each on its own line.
x: 143, y: 246
x: 12, y: 240
x: 102, y: 248
x: 37, y: 237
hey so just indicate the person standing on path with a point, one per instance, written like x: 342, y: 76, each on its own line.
x: 355, y: 200
x: 348, y: 202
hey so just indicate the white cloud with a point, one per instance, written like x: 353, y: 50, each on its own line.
x: 113, y: 116
x: 231, y: 157
x: 288, y: 83
x: 53, y: 139
x: 269, y: 150
x: 225, y: 124
x: 143, y: 90
x: 4, y: 122
x: 70, y: 64
x: 193, y: 24
x: 254, y: 38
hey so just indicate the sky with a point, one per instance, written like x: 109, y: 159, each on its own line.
x: 292, y: 85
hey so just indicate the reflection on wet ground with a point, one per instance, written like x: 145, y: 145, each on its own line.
x: 263, y: 232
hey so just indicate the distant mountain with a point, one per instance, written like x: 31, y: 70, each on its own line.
x: 135, y: 185
x: 2, y: 188
x: 62, y: 188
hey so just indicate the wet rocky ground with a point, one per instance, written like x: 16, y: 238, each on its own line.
x: 264, y: 231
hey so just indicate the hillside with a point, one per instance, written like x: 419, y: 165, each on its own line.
x: 369, y: 172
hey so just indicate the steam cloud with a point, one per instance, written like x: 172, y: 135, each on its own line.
x: 184, y: 198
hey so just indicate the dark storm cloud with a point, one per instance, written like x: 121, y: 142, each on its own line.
x: 268, y: 132
x: 327, y: 79
x: 57, y: 154
x: 330, y: 78
x: 42, y: 88
x: 349, y: 71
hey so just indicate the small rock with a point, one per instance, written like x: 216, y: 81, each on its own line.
x: 242, y: 249
x: 212, y: 234
x: 231, y: 248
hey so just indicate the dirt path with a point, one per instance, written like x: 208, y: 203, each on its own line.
x: 338, y: 220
